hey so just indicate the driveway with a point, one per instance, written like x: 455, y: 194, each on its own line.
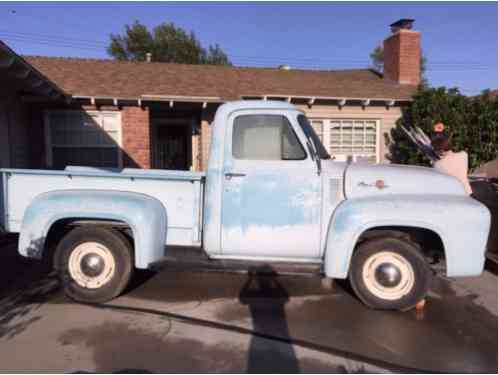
x: 219, y: 322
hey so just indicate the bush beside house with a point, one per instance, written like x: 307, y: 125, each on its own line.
x: 471, y: 122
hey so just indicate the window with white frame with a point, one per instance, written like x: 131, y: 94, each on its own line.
x: 355, y: 139
x: 83, y: 138
x: 318, y: 128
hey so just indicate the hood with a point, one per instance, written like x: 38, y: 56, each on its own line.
x: 364, y: 180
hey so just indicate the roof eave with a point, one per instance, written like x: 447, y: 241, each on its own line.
x: 30, y: 77
x: 341, y: 100
x: 171, y: 99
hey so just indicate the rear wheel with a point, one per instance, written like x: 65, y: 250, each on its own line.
x: 389, y: 273
x: 94, y: 264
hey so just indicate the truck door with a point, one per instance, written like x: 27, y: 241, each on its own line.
x: 271, y: 189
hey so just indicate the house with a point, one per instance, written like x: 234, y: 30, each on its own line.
x: 18, y: 79
x: 60, y: 111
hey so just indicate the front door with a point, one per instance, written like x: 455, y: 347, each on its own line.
x: 172, y: 148
x: 271, y: 194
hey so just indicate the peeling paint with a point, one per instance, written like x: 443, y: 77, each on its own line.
x: 463, y: 227
x: 145, y: 215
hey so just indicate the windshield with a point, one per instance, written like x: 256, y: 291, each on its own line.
x: 310, y: 134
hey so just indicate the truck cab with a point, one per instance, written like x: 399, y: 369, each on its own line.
x: 271, y: 195
x: 265, y: 184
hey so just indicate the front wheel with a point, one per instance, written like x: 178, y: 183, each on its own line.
x: 389, y: 273
x: 94, y: 264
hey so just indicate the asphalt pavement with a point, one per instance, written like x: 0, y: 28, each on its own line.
x: 223, y: 322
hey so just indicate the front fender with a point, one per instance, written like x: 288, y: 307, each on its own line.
x: 462, y: 223
x: 145, y: 215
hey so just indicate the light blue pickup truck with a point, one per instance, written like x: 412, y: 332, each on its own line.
x: 271, y: 195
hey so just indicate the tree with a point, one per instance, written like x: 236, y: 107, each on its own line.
x: 167, y: 43
x: 216, y: 56
x: 377, y: 58
x: 471, y: 122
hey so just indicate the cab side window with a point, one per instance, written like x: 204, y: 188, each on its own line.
x: 265, y: 137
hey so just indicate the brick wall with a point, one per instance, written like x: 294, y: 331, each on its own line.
x: 136, y: 137
x: 402, y: 57
x: 196, y: 148
x: 205, y: 139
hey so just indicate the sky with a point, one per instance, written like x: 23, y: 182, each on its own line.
x: 460, y: 40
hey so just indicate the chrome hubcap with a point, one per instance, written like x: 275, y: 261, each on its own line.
x: 92, y: 265
x: 388, y: 275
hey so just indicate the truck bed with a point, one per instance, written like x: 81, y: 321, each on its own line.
x: 180, y: 192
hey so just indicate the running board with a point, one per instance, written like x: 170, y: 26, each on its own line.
x: 189, y: 259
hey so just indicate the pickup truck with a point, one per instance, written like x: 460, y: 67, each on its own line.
x: 271, y: 195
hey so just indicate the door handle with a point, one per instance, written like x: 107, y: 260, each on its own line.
x: 229, y: 175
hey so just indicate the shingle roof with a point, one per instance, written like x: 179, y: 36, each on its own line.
x: 92, y: 77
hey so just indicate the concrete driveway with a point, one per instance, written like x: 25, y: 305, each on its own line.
x: 202, y: 322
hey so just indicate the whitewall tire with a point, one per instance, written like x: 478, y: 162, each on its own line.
x: 94, y: 263
x: 389, y: 273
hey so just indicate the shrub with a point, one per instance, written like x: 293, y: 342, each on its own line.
x: 471, y: 122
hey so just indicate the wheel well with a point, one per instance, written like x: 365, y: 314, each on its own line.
x: 61, y: 227
x: 428, y: 241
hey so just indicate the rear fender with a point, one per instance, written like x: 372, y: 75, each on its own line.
x: 461, y: 222
x: 145, y: 215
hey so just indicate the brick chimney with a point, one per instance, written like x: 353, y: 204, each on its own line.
x: 402, y: 53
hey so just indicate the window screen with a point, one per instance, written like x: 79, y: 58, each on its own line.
x: 265, y: 137
x: 84, y: 138
x: 318, y: 128
x: 357, y: 138
x: 354, y: 139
